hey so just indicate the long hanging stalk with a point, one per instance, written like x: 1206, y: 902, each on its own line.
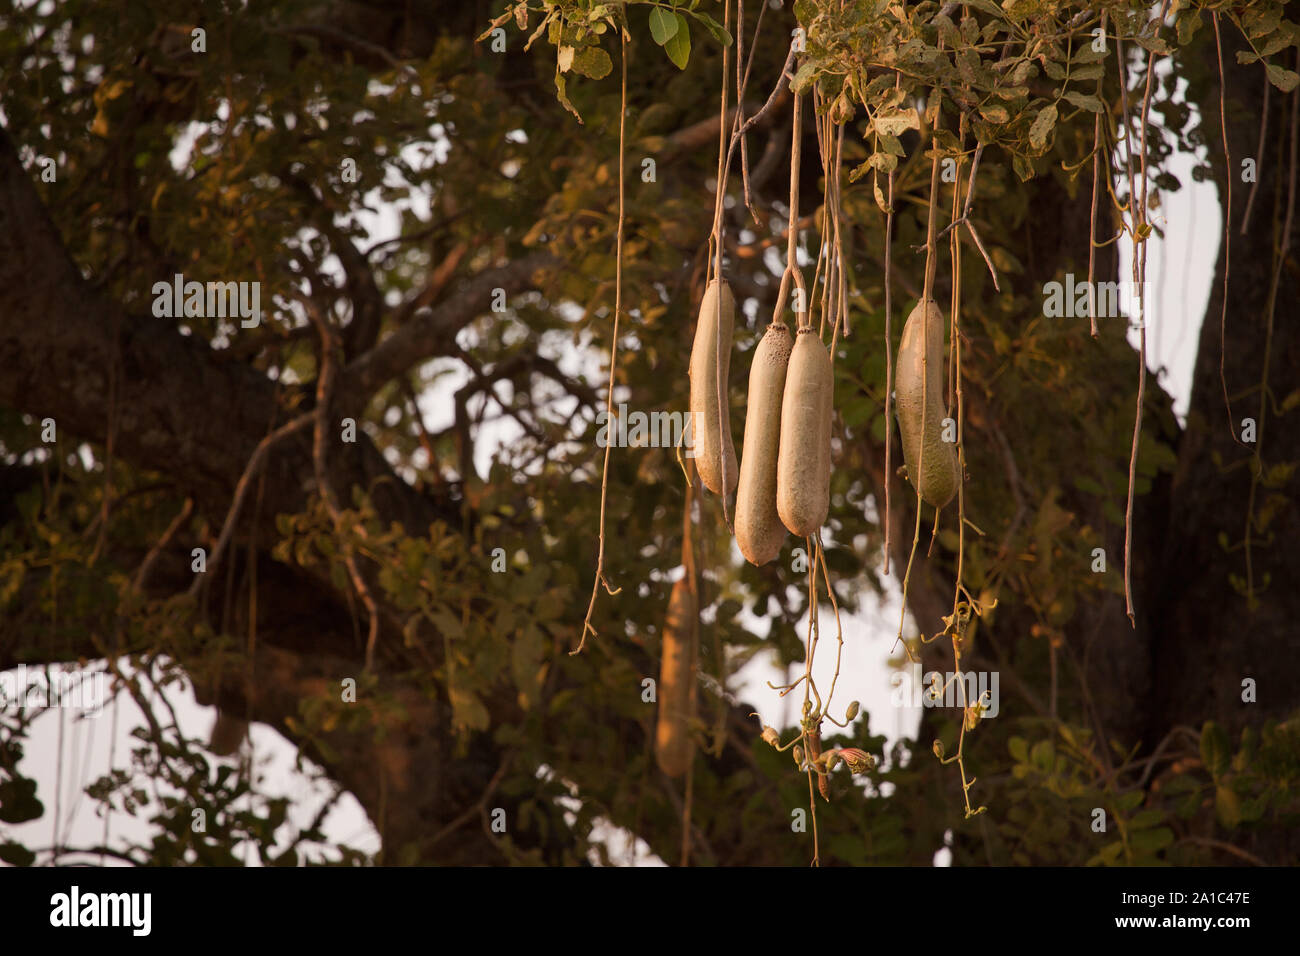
x: 715, y: 240
x: 1138, y: 224
x: 931, y: 265
x: 1092, y: 222
x: 889, y: 351
x: 587, y: 627
x: 1227, y: 225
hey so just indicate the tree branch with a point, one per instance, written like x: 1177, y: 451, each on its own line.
x: 433, y: 333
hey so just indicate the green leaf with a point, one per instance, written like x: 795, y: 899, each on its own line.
x: 594, y: 62
x: 1131, y: 800
x: 1154, y: 44
x: 1085, y: 101
x: 1261, y: 21
x: 1189, y: 21
x: 1011, y: 92
x: 988, y: 6
x: 1150, y: 841
x: 562, y: 95
x: 678, y: 46
x: 886, y: 163
x: 1277, y: 42
x: 1089, y: 486
x: 804, y: 76
x: 995, y: 113
x: 1227, y: 806
x: 891, y: 145
x: 1145, y: 819
x: 1188, y: 806
x: 1284, y: 80
x: 527, y: 652
x: 896, y: 123
x: 718, y: 31
x: 1023, y: 71
x: 1088, y: 54
x: 15, y: 854
x: 1044, y: 122
x: 467, y: 710
x: 18, y: 801
x: 447, y: 622
x: 663, y: 25
x: 947, y: 30
x: 1043, y: 756
x: 1214, y: 748
x: 1023, y: 166
x: 879, y: 195
x: 1183, y: 783
x: 1108, y: 855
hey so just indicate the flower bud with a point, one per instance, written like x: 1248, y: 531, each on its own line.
x: 859, y: 761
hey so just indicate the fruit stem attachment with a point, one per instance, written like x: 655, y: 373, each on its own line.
x: 715, y: 240
x: 792, y: 229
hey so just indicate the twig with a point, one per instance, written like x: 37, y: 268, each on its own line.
x: 1092, y: 222
x: 241, y: 490
x: 1137, y: 215
x: 742, y: 83
x: 142, y: 575
x: 1227, y: 225
x: 720, y: 367
x: 320, y: 31
x: 1259, y: 149
x: 1225, y: 847
x: 481, y: 804
x: 970, y: 226
x: 324, y: 395
x: 889, y: 352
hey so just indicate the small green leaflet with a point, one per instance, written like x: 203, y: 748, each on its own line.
x: 1042, y: 128
x: 663, y: 25
x: 1284, y: 80
x: 593, y: 62
x: 678, y: 46
x: 1085, y: 101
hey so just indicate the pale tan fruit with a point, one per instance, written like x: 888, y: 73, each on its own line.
x: 713, y: 446
x: 759, y: 531
x: 920, y: 418
x: 803, y: 468
x: 674, y: 746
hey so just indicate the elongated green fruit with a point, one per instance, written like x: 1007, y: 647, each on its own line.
x: 713, y: 445
x: 759, y: 531
x: 803, y: 467
x: 920, y: 419
x: 674, y: 746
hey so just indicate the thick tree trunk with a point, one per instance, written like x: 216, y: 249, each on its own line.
x: 1210, y: 640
